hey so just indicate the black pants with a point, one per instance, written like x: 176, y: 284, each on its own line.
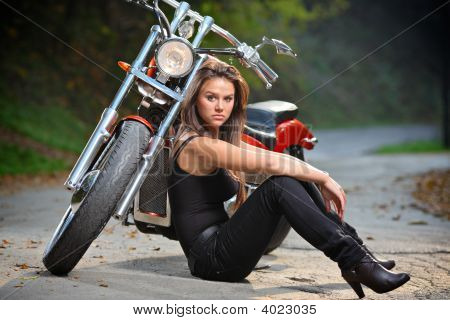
x: 233, y: 250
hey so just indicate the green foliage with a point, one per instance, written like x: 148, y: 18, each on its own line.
x: 15, y: 160
x: 54, y: 126
x: 282, y: 19
x: 52, y: 94
x: 390, y: 87
x: 413, y: 147
x: 393, y: 86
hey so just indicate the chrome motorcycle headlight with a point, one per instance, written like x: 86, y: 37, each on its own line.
x: 175, y: 57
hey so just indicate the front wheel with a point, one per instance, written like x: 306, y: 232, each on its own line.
x: 81, y: 226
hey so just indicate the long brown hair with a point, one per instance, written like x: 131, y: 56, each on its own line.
x: 231, y: 130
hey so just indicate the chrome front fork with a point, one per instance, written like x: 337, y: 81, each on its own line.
x: 155, y: 146
x: 109, y: 117
x: 103, y: 130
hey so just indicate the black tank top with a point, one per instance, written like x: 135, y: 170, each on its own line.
x: 197, y: 202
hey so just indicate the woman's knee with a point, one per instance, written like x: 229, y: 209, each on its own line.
x: 274, y: 185
x: 283, y: 182
x: 282, y: 178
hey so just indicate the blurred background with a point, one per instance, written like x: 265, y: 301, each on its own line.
x: 371, y: 81
x: 361, y: 63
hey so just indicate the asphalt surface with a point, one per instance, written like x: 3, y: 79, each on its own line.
x: 125, y: 264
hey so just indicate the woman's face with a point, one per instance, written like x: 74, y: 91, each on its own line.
x: 215, y: 102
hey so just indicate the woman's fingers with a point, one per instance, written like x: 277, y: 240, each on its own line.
x: 332, y: 205
x: 339, y: 202
x: 334, y: 195
x: 323, y: 191
x: 338, y: 207
x: 344, y: 196
x: 327, y: 205
x: 345, y: 203
x: 342, y: 202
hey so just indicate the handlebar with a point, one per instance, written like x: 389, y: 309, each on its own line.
x: 264, y: 72
x: 199, y: 18
x: 268, y: 73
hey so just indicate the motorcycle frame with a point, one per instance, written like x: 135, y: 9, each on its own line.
x: 104, y: 128
x: 137, y: 71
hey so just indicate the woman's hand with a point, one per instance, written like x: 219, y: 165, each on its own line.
x: 333, y: 193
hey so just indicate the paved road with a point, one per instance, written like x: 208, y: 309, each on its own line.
x: 362, y: 141
x: 123, y: 264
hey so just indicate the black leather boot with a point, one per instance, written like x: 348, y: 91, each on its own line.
x: 371, y: 274
x: 388, y: 264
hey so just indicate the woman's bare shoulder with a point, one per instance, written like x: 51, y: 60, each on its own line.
x: 187, y: 160
x: 190, y: 161
x: 184, y: 136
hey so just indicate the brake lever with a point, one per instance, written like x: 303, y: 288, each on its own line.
x: 251, y: 59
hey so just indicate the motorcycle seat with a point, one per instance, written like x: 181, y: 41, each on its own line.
x: 263, y: 117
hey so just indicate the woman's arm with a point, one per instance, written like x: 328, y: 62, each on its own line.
x: 218, y: 153
x: 250, y: 147
x: 332, y: 192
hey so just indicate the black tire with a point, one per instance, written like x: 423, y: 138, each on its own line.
x: 78, y: 229
x: 283, y: 226
x: 279, y: 235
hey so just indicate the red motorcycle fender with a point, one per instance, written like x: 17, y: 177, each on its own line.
x: 139, y: 119
x: 252, y: 141
x: 292, y: 132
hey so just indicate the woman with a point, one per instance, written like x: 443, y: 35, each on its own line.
x: 208, y: 161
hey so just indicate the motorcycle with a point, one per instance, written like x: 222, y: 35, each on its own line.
x: 122, y: 171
